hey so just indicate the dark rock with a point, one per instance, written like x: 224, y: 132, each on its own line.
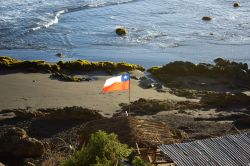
x: 243, y: 122
x: 168, y: 73
x: 121, y: 31
x: 60, y: 55
x: 179, y: 67
x: 15, y: 142
x: 236, y: 4
x: 68, y: 78
x: 206, y: 18
x: 146, y: 83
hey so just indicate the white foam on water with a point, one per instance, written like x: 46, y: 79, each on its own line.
x: 48, y: 23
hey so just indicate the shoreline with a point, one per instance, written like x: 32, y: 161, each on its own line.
x: 197, y: 53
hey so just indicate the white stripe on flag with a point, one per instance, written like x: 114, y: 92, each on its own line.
x: 112, y: 80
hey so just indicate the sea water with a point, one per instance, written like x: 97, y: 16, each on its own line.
x: 159, y: 31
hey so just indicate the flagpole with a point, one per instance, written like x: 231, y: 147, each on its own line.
x: 129, y: 94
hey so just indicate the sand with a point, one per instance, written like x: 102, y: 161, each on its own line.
x: 36, y: 90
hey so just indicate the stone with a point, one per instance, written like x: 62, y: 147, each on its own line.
x: 121, y: 31
x: 206, y: 18
x: 60, y: 55
x: 243, y: 122
x: 14, y: 142
x: 236, y: 4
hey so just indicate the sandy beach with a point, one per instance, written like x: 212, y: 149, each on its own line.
x: 36, y: 90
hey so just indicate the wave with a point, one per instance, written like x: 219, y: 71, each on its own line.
x: 55, y: 19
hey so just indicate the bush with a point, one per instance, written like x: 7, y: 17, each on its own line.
x: 102, y: 150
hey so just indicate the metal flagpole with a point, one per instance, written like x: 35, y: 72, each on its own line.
x: 129, y: 95
x: 127, y: 113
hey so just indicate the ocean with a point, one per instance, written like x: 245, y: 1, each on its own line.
x: 160, y: 31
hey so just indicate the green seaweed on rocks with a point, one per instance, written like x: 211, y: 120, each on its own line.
x: 34, y: 65
x: 77, y: 66
x: 109, y: 67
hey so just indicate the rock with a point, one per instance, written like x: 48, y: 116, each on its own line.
x: 236, y: 4
x: 60, y: 55
x: 179, y: 68
x: 206, y: 18
x: 14, y: 142
x: 121, y: 31
x: 243, y: 122
x: 146, y: 83
x: 68, y: 78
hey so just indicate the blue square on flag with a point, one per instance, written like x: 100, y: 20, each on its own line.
x: 125, y: 77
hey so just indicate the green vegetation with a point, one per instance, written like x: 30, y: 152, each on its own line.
x: 102, y: 150
x: 109, y: 67
x: 34, y: 65
x: 70, y: 66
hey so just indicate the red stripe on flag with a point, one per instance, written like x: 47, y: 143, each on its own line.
x: 117, y: 86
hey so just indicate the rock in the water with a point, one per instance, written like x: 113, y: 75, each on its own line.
x: 206, y: 18
x: 60, y: 55
x: 121, y: 31
x: 236, y: 4
x: 14, y: 142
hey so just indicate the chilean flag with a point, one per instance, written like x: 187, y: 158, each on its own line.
x: 121, y: 82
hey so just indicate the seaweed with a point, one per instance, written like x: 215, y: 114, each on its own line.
x: 77, y: 66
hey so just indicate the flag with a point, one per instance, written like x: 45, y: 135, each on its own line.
x: 121, y: 82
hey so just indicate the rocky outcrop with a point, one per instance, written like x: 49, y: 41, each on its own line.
x: 14, y: 142
x: 221, y: 69
x: 77, y: 66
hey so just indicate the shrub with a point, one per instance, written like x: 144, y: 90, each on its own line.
x: 103, y: 149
